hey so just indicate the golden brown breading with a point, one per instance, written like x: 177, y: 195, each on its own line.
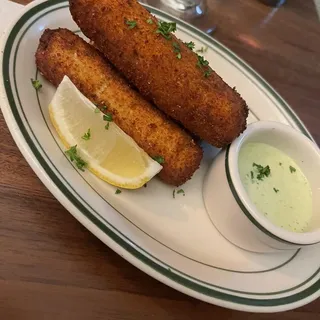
x: 206, y: 106
x: 61, y: 52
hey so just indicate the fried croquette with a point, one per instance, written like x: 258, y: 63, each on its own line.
x: 61, y: 53
x: 163, y: 68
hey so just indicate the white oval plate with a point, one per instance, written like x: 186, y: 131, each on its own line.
x: 170, y: 239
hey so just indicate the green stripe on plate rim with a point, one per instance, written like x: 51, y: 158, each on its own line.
x: 137, y: 254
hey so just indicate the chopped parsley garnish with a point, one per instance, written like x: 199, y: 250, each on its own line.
x: 174, y: 193
x: 207, y: 73
x: 176, y: 49
x: 107, y: 117
x: 150, y: 21
x: 145, y: 185
x: 87, y: 135
x: 203, y: 49
x: 104, y: 107
x: 118, y: 191
x: 276, y: 190
x: 165, y: 28
x: 280, y: 163
x: 73, y: 154
x: 262, y: 171
x: 190, y: 45
x: 159, y: 159
x: 131, y: 24
x: 292, y: 169
x: 107, y: 126
x: 36, y: 84
x: 96, y: 110
x: 252, y: 176
x: 181, y: 191
x: 202, y: 63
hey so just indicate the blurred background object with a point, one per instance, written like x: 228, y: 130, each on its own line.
x: 192, y: 11
x: 186, y: 8
x: 273, y: 3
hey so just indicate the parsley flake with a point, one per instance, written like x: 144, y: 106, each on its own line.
x: 276, y: 190
x: 203, y: 64
x: 262, y: 171
x: 207, y: 73
x: 96, y: 110
x: 87, y: 135
x: 107, y: 117
x: 73, y: 155
x: 36, y: 84
x: 292, y: 169
x: 203, y: 49
x: 131, y: 24
x: 252, y: 176
x: 165, y: 28
x: 159, y: 159
x: 190, y: 45
x: 150, y: 21
x: 202, y: 61
x: 107, y: 126
x: 176, y: 49
x: 118, y: 191
x: 181, y: 191
x: 174, y: 193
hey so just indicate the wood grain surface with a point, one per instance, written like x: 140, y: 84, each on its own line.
x: 53, y: 268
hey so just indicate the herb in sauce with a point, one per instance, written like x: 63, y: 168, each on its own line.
x: 292, y: 169
x: 263, y: 172
x: 118, y: 191
x: 150, y: 21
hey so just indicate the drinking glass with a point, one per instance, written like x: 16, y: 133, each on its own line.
x: 192, y: 11
x: 186, y: 8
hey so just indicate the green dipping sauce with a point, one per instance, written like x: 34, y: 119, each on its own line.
x: 276, y: 185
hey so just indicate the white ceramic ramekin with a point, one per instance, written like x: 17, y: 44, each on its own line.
x: 230, y: 207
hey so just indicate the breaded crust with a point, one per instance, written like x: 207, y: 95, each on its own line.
x: 61, y: 53
x: 206, y: 106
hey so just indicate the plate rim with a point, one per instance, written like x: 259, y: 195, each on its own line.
x: 44, y: 177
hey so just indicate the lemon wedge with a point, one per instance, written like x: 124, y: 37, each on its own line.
x: 97, y: 143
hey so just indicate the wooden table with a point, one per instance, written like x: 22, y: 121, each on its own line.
x: 53, y: 268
